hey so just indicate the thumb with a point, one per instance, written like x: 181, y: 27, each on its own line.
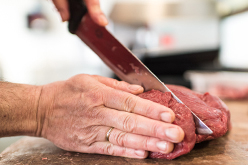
x: 95, y: 12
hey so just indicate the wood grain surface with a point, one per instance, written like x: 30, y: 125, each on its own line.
x: 232, y: 149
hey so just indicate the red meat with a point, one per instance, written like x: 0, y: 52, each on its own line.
x: 210, y: 109
x: 237, y: 92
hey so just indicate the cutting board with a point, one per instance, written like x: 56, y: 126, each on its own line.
x: 231, y: 149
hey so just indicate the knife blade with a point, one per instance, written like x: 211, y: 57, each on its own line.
x: 120, y: 59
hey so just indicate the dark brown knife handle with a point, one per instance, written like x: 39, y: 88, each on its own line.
x: 77, y: 10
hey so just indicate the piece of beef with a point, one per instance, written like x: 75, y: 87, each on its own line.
x: 210, y: 109
x: 237, y: 92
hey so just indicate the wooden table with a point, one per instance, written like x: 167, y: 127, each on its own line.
x: 232, y: 149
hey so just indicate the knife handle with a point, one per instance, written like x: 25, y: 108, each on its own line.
x: 77, y: 10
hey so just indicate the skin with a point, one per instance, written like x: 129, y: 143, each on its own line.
x: 98, y: 104
x: 77, y: 113
x: 93, y: 7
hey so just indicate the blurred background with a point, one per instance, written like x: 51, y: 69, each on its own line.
x: 192, y: 43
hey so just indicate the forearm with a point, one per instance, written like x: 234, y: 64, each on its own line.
x: 18, y: 109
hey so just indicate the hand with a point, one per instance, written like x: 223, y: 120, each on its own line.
x: 76, y: 115
x: 93, y: 9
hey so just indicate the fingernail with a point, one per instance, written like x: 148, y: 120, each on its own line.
x: 172, y: 133
x: 161, y: 145
x: 140, y: 153
x: 103, y: 20
x: 135, y: 87
x: 166, y: 116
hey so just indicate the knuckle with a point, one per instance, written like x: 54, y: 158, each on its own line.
x: 149, y: 111
x: 88, y: 112
x: 130, y: 123
x: 89, y: 136
x: 154, y: 130
x: 145, y: 142
x: 98, y: 115
x: 96, y: 77
x: 95, y: 115
x: 79, y: 77
x: 116, y: 83
x: 108, y: 149
x: 130, y: 103
x: 88, y: 140
x: 122, y: 152
x: 121, y: 139
x: 94, y: 97
x: 86, y: 137
x: 123, y: 84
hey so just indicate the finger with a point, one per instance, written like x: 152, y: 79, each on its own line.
x: 120, y: 100
x: 136, y: 124
x: 107, y: 148
x: 63, y: 9
x: 135, y: 141
x: 96, y: 12
x: 124, y: 139
x: 120, y: 85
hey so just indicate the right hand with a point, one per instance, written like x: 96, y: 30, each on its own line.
x: 93, y: 7
x: 76, y: 115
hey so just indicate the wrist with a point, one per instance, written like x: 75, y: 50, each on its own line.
x: 41, y: 113
x: 18, y: 109
x: 29, y: 120
x: 44, y: 108
x: 35, y: 120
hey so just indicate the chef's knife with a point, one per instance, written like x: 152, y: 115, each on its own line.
x: 124, y: 64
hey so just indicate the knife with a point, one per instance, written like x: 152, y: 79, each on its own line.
x: 120, y: 59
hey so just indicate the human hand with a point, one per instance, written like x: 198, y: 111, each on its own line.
x: 76, y: 115
x: 93, y: 7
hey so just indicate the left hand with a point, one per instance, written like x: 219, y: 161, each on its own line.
x: 77, y: 113
x: 93, y: 8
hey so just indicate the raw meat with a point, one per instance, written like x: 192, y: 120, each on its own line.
x: 210, y: 109
x: 232, y: 92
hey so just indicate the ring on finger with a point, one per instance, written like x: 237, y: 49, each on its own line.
x: 108, y: 133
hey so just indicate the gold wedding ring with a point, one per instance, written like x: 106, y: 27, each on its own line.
x: 108, y: 133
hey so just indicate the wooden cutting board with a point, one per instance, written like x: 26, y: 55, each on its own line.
x: 232, y: 149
